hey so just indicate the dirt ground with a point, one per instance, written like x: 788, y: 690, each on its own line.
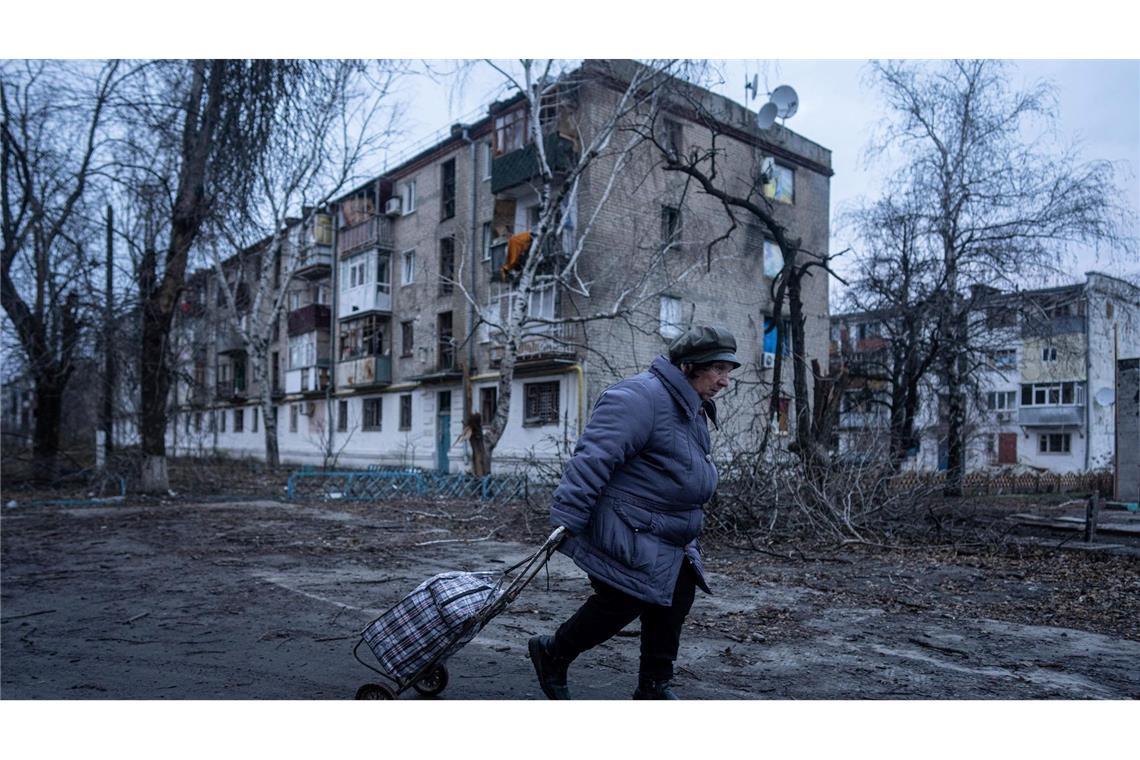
x: 263, y: 599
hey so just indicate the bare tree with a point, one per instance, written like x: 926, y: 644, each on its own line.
x: 996, y: 200
x: 603, y: 149
x: 898, y: 279
x: 196, y: 131
x: 746, y: 194
x: 52, y: 145
x: 331, y: 126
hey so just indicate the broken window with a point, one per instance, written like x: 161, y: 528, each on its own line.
x: 447, y: 192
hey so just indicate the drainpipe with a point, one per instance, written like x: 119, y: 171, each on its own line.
x: 333, y: 307
x: 581, y: 395
x: 1088, y: 382
x: 468, y: 401
x: 471, y: 305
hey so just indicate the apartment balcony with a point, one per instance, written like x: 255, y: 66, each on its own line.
x: 1051, y: 416
x: 231, y: 390
x: 1032, y: 327
x: 229, y: 339
x: 521, y: 166
x: 544, y: 343
x: 314, y: 262
x: 553, y: 255
x: 315, y: 316
x: 375, y: 232
x: 307, y: 379
x: 358, y: 301
x: 364, y: 371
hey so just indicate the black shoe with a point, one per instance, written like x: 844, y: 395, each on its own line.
x: 647, y: 688
x: 551, y: 671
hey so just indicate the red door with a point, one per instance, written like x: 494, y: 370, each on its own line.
x: 1007, y: 448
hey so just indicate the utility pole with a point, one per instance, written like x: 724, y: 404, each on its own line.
x: 108, y: 340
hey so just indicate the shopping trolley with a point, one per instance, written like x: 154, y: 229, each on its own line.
x: 413, y: 640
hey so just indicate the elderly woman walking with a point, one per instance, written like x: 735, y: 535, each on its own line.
x: 631, y: 500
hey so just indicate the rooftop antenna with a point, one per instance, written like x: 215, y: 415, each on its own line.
x: 754, y: 86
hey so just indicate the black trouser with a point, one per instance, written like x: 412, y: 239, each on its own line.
x: 608, y: 610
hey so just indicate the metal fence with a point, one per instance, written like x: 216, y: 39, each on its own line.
x: 378, y: 484
x: 982, y: 483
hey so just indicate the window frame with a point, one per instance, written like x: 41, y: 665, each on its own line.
x: 408, y: 267
x: 534, y: 395
x: 408, y: 196
x: 488, y: 402
x: 372, y: 414
x: 448, y: 192
x: 405, y: 411
x: 783, y: 178
x: 407, y: 338
x: 1054, y: 443
x: 670, y: 224
x: 446, y: 265
x: 670, y: 329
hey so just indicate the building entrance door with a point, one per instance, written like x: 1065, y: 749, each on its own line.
x: 1007, y: 448
x: 443, y: 430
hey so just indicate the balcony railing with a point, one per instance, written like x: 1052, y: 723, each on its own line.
x: 1051, y: 416
x: 374, y: 232
x: 308, y: 319
x: 553, y: 341
x: 307, y: 379
x: 313, y: 260
x: 364, y: 371
x: 231, y: 389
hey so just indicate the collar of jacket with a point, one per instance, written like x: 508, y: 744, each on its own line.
x: 681, y: 389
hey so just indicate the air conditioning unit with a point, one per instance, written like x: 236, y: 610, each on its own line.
x: 769, y: 361
x: 394, y: 206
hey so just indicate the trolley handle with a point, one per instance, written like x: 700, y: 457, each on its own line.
x: 530, y: 568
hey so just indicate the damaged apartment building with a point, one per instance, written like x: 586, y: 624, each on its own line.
x: 1045, y: 391
x: 389, y: 336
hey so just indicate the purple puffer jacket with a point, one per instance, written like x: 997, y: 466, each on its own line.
x: 632, y: 495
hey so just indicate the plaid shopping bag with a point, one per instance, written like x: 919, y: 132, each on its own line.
x: 426, y: 624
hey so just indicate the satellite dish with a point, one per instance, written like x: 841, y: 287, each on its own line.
x: 755, y: 85
x: 786, y: 100
x: 1105, y: 396
x: 766, y: 116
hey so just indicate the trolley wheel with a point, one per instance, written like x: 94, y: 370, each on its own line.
x: 374, y: 691
x: 433, y: 683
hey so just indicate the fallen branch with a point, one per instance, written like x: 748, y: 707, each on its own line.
x: 27, y: 615
x: 136, y: 617
x: 904, y: 585
x: 487, y: 537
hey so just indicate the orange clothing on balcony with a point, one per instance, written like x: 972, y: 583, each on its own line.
x: 517, y: 246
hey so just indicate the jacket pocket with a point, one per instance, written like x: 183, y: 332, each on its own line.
x: 624, y: 532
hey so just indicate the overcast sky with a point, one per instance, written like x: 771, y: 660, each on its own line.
x: 1098, y: 105
x: 1099, y: 100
